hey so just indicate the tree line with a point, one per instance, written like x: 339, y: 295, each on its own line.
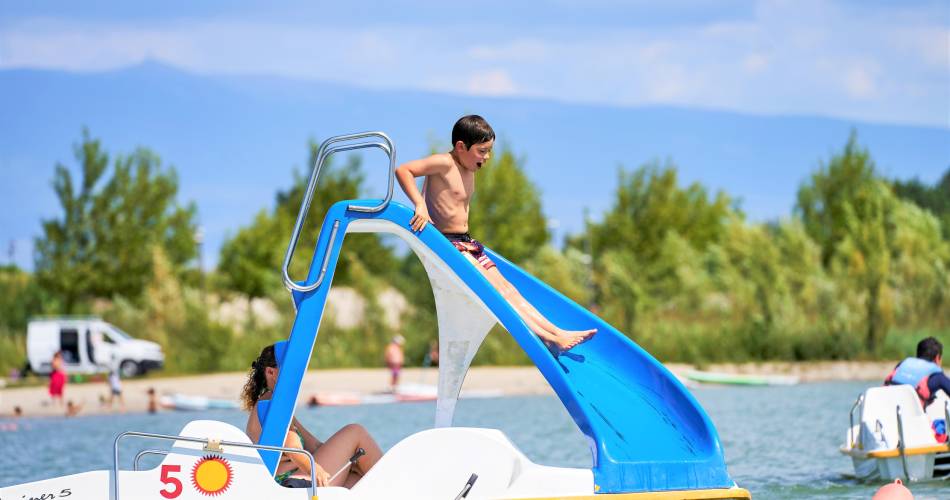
x: 858, y: 270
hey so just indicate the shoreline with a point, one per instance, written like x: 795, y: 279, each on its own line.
x: 508, y: 381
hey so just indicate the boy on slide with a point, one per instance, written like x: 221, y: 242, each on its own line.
x: 444, y: 202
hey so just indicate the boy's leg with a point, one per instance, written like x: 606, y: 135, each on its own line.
x: 538, y: 324
x: 543, y: 321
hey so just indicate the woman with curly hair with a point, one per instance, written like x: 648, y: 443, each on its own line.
x: 293, y: 470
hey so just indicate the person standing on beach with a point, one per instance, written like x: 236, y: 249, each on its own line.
x: 152, y: 401
x: 115, y: 388
x: 444, y: 202
x: 432, y: 358
x: 57, y: 379
x: 394, y: 358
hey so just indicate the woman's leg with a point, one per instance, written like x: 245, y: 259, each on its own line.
x: 351, y: 479
x: 337, y: 450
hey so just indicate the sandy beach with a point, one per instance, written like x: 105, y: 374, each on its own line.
x: 35, y: 401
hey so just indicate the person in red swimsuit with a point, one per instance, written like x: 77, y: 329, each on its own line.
x: 57, y: 379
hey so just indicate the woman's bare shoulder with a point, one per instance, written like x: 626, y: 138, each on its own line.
x: 253, y: 427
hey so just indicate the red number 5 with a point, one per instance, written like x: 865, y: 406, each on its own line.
x: 176, y: 484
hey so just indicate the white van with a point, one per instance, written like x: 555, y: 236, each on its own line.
x: 89, y: 345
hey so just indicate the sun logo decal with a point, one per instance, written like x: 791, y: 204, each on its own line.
x: 211, y: 475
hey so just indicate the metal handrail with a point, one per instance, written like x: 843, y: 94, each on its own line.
x: 135, y: 464
x: 325, y: 151
x: 851, y: 420
x: 207, y: 442
x: 901, y: 445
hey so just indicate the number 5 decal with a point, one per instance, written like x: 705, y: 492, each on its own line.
x: 173, y: 481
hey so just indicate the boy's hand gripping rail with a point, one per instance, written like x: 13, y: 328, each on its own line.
x: 326, y: 149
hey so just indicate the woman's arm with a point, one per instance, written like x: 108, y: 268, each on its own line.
x: 300, y: 460
x: 310, y: 442
x: 253, y: 427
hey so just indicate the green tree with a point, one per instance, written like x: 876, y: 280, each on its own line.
x: 250, y: 261
x: 647, y: 250
x: 934, y: 198
x: 825, y: 201
x: 845, y: 209
x: 20, y: 298
x: 506, y: 211
x: 102, y: 246
x: 649, y: 204
x: 920, y: 268
x: 176, y: 317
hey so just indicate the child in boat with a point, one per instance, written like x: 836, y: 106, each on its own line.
x: 444, y: 202
x: 294, y: 469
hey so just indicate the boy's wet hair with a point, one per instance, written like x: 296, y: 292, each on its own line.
x: 471, y: 130
x: 929, y: 349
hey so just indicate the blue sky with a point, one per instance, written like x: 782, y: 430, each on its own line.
x: 606, y: 63
x: 872, y: 60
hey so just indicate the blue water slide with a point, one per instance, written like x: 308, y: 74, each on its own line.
x: 646, y: 432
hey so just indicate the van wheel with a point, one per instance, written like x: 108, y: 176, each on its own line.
x: 129, y: 368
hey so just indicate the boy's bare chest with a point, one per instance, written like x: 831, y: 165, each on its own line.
x: 457, y: 186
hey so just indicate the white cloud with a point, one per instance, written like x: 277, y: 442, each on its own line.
x: 859, y: 82
x: 883, y: 63
x: 928, y: 44
x: 496, y: 82
x: 755, y: 63
x: 521, y: 50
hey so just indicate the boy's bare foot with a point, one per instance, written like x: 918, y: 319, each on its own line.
x: 570, y: 338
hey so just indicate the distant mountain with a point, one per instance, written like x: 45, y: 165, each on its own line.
x: 235, y: 141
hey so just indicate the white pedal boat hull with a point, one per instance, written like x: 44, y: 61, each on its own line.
x: 883, y: 449
x: 432, y: 464
x: 435, y: 464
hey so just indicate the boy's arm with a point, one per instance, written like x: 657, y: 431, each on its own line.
x: 406, y: 175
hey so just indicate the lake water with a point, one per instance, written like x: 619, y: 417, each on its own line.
x: 780, y: 442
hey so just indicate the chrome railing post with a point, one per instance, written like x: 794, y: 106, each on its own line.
x: 901, y: 445
x: 851, y: 420
x: 323, y: 152
x: 135, y: 464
